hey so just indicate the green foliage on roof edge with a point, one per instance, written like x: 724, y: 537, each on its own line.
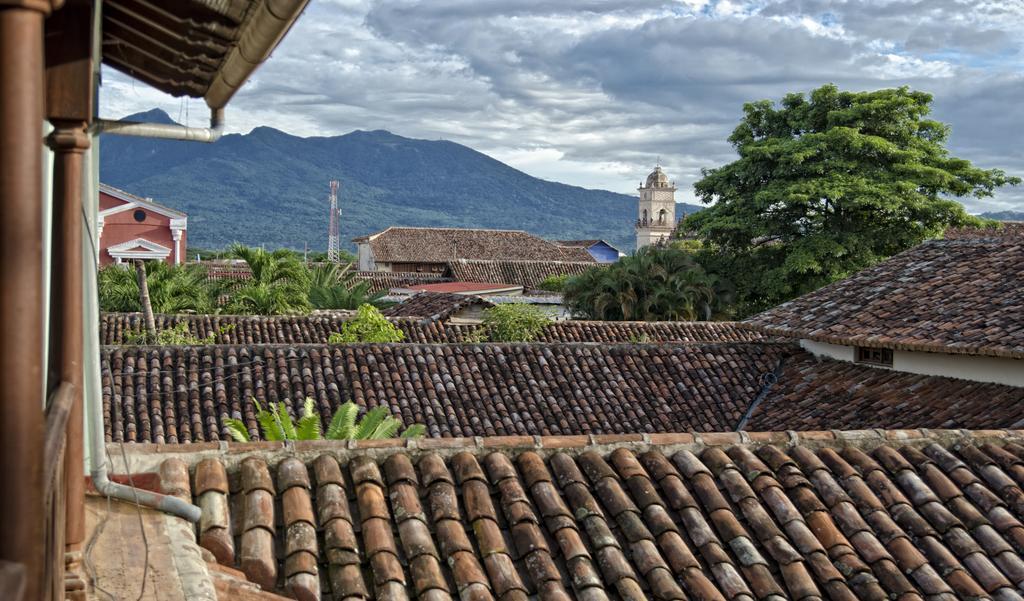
x: 277, y: 424
x: 368, y: 325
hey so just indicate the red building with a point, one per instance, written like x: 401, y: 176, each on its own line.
x: 131, y: 227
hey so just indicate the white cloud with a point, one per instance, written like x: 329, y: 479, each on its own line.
x: 591, y: 92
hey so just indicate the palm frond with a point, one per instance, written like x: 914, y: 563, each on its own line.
x: 308, y: 427
x: 284, y: 419
x: 237, y: 430
x: 269, y: 425
x: 343, y: 423
x: 368, y: 425
x: 414, y: 431
x: 386, y: 428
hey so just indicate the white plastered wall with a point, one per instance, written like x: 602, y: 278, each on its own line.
x: 997, y: 370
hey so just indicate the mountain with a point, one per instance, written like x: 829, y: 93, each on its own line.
x: 269, y: 187
x: 1005, y: 215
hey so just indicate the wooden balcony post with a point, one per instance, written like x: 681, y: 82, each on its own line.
x: 21, y: 280
x: 69, y: 140
x: 69, y: 107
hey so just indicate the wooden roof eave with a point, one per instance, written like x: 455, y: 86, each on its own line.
x: 209, y: 57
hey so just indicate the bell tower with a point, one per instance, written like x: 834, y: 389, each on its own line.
x: 656, y: 216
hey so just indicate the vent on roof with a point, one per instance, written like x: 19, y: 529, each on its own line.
x: 874, y: 356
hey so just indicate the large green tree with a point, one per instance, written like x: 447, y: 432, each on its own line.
x: 655, y: 284
x: 828, y: 184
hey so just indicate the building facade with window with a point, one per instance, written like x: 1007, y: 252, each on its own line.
x: 950, y: 307
x: 131, y: 227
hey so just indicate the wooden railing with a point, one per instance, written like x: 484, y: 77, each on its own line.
x: 55, y: 503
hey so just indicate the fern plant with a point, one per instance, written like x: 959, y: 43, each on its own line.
x: 276, y: 424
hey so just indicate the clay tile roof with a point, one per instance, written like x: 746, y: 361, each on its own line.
x: 434, y: 305
x: 996, y: 231
x: 117, y: 329
x: 440, y: 245
x: 802, y: 515
x: 184, y: 394
x: 962, y: 296
x: 817, y: 393
x: 386, y: 280
x: 527, y: 274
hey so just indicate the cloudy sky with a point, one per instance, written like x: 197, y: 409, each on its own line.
x: 593, y: 92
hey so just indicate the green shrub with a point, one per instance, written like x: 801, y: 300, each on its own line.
x: 553, y: 283
x: 368, y: 325
x: 179, y: 335
x: 515, y: 322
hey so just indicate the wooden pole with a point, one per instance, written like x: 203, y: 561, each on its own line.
x: 147, y: 306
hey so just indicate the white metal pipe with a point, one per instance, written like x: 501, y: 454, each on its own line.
x: 166, y: 131
x: 94, y: 434
x: 100, y: 479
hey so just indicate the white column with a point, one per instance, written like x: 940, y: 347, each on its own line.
x: 176, y: 234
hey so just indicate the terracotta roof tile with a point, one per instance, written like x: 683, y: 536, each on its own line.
x: 528, y: 274
x: 115, y: 329
x: 183, y: 394
x: 256, y: 556
x: 815, y: 394
x: 434, y: 305
x: 1003, y: 229
x: 152, y: 394
x: 439, y: 245
x: 952, y: 296
x: 383, y: 281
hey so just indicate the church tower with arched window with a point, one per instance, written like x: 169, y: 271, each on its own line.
x: 657, y: 212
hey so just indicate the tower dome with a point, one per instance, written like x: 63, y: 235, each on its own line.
x: 657, y: 179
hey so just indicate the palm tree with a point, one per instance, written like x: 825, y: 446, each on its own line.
x: 653, y: 284
x: 172, y: 289
x: 335, y: 287
x: 279, y: 283
x: 277, y: 424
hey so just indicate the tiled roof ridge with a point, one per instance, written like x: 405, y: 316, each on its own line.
x: 326, y: 311
x: 517, y: 261
x: 512, y: 345
x: 460, y: 229
x: 887, y: 342
x: 576, y: 444
x: 996, y: 238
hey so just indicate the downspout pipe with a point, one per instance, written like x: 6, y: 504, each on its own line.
x: 166, y: 131
x: 768, y: 379
x: 103, y: 484
x: 97, y: 437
